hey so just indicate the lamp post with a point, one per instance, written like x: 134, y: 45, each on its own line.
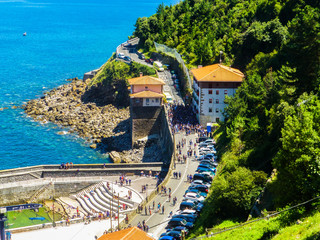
x: 220, y: 57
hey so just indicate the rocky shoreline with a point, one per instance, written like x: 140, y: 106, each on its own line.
x: 106, y: 128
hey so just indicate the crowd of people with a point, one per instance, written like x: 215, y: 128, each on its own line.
x: 183, y: 119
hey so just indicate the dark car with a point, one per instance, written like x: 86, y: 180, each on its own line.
x: 174, y: 222
x: 127, y: 58
x: 202, y: 188
x: 195, y: 190
x: 208, y: 162
x: 166, y: 237
x: 176, y: 234
x: 180, y: 229
x: 203, y: 177
x: 189, y: 205
x: 204, y: 169
x: 188, y: 217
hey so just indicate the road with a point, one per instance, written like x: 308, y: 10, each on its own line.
x: 157, y: 221
x: 132, y: 52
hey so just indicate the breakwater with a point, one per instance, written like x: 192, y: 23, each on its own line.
x: 22, y: 184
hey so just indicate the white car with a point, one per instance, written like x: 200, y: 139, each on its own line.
x: 186, y: 212
x: 193, y: 196
x: 209, y: 141
x: 121, y: 56
x: 199, y: 182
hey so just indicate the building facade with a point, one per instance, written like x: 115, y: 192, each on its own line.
x: 146, y: 107
x: 210, y: 87
x: 146, y: 91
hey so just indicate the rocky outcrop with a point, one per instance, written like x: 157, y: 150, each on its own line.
x: 105, y: 127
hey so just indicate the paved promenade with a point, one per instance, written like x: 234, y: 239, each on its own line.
x: 157, y: 221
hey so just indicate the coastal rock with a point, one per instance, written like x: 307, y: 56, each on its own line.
x: 93, y: 146
x: 115, y: 156
x: 106, y: 127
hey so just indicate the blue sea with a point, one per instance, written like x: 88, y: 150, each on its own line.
x: 65, y: 38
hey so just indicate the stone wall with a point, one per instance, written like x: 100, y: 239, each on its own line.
x: 146, y: 121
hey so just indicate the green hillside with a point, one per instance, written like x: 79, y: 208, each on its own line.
x: 272, y: 122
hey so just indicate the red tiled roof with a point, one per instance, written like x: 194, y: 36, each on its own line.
x: 132, y: 233
x: 217, y: 73
x: 146, y: 94
x: 146, y: 80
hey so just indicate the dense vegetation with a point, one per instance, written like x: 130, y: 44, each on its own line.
x: 110, y: 85
x: 273, y: 120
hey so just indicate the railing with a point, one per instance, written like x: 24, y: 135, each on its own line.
x: 173, y: 53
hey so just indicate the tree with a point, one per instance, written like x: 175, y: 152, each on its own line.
x: 298, y: 162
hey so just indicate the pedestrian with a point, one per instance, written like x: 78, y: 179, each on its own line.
x: 169, y: 196
x: 179, y: 175
x: 145, y: 210
x: 153, y: 205
x: 149, y: 210
x: 162, y: 209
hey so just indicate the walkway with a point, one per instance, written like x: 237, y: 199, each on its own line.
x: 157, y: 221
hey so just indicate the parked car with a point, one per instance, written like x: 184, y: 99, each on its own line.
x: 127, y: 58
x: 210, y: 141
x: 190, y: 205
x: 206, y: 165
x: 176, y: 234
x: 201, y: 169
x: 142, y: 57
x: 121, y: 56
x: 197, y: 191
x: 200, y: 187
x: 204, y: 177
x: 208, y: 162
x: 174, y: 222
x: 166, y: 237
x: 199, y: 182
x: 188, y: 217
x: 193, y: 196
x: 210, y: 155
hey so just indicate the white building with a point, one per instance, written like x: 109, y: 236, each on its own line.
x: 210, y: 87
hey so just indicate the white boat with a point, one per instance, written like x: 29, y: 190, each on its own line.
x: 25, y: 34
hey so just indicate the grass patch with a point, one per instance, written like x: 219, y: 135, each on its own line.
x: 18, y: 219
x: 307, y: 228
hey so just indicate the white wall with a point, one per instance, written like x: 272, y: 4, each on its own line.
x: 205, y: 105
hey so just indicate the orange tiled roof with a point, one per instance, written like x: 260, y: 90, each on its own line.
x: 146, y: 80
x: 127, y: 234
x: 217, y: 73
x: 146, y: 94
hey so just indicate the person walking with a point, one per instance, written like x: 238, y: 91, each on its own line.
x: 162, y: 209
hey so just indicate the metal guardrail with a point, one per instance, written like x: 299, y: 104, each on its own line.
x: 173, y: 53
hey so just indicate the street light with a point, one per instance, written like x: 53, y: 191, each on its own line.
x: 220, y: 57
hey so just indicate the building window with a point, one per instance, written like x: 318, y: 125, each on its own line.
x: 137, y: 100
x: 146, y: 88
x: 210, y: 109
x: 217, y: 92
x: 217, y: 100
x: 147, y: 100
x: 210, y: 100
x: 210, y: 91
x: 225, y: 91
x: 157, y: 100
x: 217, y: 110
x: 217, y: 119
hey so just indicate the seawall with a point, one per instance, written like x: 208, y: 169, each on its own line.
x: 23, y: 184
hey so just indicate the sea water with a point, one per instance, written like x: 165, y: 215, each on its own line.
x: 64, y: 39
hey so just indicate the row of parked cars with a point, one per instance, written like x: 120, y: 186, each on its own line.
x: 126, y: 58
x: 193, y: 200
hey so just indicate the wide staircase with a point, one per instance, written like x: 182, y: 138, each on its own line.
x: 106, y: 197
